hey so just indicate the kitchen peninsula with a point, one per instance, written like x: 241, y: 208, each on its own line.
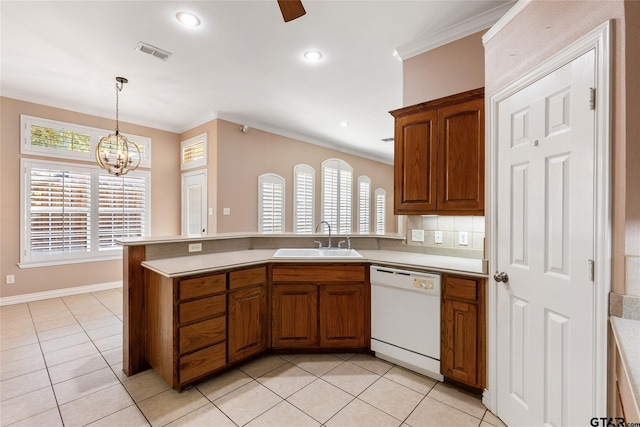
x: 181, y: 307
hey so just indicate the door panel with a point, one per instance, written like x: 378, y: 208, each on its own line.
x: 545, y: 217
x: 194, y: 203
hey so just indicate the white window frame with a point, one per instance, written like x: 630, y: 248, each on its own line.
x: 381, y: 210
x: 305, y: 197
x: 270, y: 178
x: 343, y: 193
x: 364, y: 204
x: 26, y: 123
x: 95, y: 253
x: 199, y: 162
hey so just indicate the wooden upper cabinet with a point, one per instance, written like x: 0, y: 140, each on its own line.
x: 415, y: 161
x: 439, y: 156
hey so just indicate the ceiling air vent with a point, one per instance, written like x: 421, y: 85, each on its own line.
x: 387, y: 139
x: 153, y: 51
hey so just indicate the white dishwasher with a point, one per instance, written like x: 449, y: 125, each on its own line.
x: 405, y: 318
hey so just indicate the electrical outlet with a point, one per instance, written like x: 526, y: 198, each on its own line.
x: 195, y: 247
x: 437, y: 237
x: 11, y: 279
x: 417, y: 235
x: 226, y: 211
x: 463, y: 238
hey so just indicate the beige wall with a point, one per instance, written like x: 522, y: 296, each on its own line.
x: 165, y: 200
x: 632, y: 154
x: 259, y: 152
x: 453, y: 68
x: 542, y: 29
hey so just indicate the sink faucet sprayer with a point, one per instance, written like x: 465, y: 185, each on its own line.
x: 328, y: 225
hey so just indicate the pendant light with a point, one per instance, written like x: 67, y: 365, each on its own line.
x: 115, y: 153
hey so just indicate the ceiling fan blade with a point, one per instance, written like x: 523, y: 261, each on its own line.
x: 291, y: 9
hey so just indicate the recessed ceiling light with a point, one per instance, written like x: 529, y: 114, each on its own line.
x: 313, y: 55
x: 344, y: 124
x: 188, y: 18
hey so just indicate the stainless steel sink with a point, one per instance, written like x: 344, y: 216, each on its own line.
x: 316, y: 253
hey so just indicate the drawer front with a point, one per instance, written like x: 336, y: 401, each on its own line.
x: 314, y: 273
x: 249, y: 277
x: 202, y: 362
x: 202, y: 334
x: 201, y: 286
x: 460, y: 288
x: 201, y: 309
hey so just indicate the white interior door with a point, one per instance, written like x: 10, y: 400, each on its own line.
x: 194, y: 203
x: 545, y: 245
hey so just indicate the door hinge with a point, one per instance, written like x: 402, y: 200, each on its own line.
x: 592, y: 98
x: 591, y: 270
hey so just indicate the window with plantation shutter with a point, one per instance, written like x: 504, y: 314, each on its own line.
x: 364, y: 204
x: 270, y: 204
x: 303, y: 199
x: 121, y: 210
x: 73, y: 213
x: 381, y: 206
x: 59, y: 212
x: 194, y: 152
x: 337, y: 177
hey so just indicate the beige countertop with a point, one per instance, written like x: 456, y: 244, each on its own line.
x: 205, y: 263
x: 627, y: 335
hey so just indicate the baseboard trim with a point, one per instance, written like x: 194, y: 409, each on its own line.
x: 57, y: 293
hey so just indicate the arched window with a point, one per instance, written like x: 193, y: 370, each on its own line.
x: 364, y: 204
x: 304, y: 177
x: 270, y: 203
x: 381, y: 206
x: 337, y: 177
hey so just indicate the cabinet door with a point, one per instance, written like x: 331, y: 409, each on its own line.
x: 461, y: 157
x: 247, y: 322
x: 342, y: 315
x: 415, y: 159
x: 459, y: 359
x: 294, y: 316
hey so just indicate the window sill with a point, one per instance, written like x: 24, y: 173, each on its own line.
x: 36, y: 264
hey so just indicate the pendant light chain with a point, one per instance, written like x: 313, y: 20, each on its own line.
x: 115, y: 153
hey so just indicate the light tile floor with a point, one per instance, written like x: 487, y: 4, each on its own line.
x: 61, y: 364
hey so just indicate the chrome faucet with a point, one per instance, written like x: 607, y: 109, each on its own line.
x: 328, y: 225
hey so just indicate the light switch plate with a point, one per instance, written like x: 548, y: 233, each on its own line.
x: 417, y: 235
x: 463, y: 238
x: 226, y: 211
x: 437, y: 237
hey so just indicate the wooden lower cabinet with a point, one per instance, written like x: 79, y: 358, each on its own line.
x: 199, y: 325
x: 342, y: 315
x: 186, y: 326
x: 320, y: 306
x: 247, y: 313
x: 463, y: 331
x: 294, y: 321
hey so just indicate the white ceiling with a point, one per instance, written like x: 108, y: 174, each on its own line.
x: 243, y: 64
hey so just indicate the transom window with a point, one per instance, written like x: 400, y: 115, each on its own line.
x: 52, y: 138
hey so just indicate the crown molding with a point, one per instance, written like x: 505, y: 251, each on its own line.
x: 453, y: 33
x: 506, y: 18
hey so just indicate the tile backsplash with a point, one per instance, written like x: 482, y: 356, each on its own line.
x: 450, y: 227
